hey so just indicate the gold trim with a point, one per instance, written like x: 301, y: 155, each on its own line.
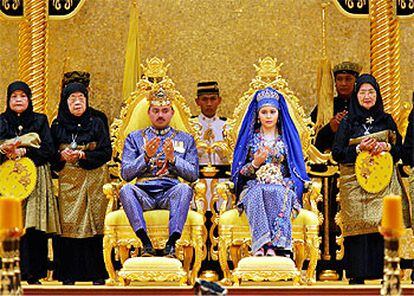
x: 346, y: 13
x: 8, y: 17
x: 68, y: 16
x: 50, y: 17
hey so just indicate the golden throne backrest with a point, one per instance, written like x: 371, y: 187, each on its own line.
x: 268, y: 75
x: 134, y: 110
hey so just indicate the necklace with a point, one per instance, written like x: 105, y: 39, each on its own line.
x: 268, y: 138
x: 73, y: 145
x: 269, y: 141
x: 367, y: 129
x: 367, y: 125
x: 19, y: 131
x: 160, y: 132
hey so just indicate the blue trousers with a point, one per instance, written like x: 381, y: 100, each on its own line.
x: 177, y: 199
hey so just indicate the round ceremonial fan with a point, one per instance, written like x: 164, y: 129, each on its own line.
x: 18, y: 178
x: 374, y: 172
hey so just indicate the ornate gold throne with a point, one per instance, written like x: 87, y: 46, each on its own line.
x: 119, y: 237
x: 233, y: 231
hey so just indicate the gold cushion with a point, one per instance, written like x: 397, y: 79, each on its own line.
x: 152, y: 263
x: 259, y: 269
x: 266, y: 263
x: 152, y: 218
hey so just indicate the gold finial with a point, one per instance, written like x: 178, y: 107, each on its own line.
x: 156, y: 67
x: 268, y: 67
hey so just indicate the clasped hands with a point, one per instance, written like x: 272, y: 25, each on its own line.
x: 152, y: 145
x: 72, y: 156
x: 12, y: 150
x: 260, y: 156
x: 373, y: 146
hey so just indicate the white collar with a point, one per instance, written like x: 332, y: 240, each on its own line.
x: 202, y: 117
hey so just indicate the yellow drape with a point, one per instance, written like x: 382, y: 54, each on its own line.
x: 324, y: 93
x: 132, y: 71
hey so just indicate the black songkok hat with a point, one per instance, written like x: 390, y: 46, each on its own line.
x: 347, y: 68
x: 207, y: 87
x: 76, y: 76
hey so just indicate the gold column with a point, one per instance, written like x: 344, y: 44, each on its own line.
x: 395, y: 69
x: 37, y: 15
x: 385, y: 53
x: 25, y: 47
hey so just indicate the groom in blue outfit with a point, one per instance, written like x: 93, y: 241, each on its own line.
x: 157, y: 156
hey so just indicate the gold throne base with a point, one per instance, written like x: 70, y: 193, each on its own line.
x: 120, y: 237
x: 234, y: 236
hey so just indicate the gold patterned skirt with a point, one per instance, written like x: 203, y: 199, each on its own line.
x: 40, y: 209
x: 82, y: 203
x: 411, y: 191
x: 361, y: 210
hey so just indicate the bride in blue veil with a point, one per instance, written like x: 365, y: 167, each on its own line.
x: 269, y: 172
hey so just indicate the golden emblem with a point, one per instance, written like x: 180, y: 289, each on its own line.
x: 18, y: 178
x: 374, y: 172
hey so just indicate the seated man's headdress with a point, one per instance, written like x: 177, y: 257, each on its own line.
x: 160, y: 97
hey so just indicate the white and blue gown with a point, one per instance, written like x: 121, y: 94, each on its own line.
x: 269, y: 202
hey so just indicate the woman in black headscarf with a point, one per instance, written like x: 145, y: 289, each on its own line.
x: 84, y: 147
x: 408, y: 147
x: 361, y: 210
x: 24, y: 133
x: 408, y: 160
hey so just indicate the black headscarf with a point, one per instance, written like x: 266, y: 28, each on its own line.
x: 27, y: 116
x: 359, y: 113
x: 67, y: 119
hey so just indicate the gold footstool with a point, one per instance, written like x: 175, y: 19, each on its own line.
x: 156, y: 270
x: 260, y: 269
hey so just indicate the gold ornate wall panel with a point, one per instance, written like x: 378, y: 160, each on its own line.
x: 202, y: 39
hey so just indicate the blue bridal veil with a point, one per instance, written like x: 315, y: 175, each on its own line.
x: 290, y: 136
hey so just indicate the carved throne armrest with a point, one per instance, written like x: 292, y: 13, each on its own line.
x: 200, y: 199
x: 223, y: 190
x: 111, y: 191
